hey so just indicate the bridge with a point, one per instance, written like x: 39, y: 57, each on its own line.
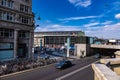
x: 102, y: 46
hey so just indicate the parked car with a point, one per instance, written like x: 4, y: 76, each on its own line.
x: 63, y: 64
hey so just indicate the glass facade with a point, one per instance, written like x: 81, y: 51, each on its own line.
x: 61, y: 40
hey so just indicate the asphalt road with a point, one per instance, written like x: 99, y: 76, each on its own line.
x: 50, y: 73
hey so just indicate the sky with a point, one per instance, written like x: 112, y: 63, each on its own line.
x: 97, y: 18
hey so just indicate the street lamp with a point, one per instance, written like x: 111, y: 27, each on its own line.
x: 35, y: 26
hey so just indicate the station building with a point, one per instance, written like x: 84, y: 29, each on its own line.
x: 16, y: 29
x: 58, y: 39
x: 55, y: 38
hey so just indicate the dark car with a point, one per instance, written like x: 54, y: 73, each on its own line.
x: 63, y: 64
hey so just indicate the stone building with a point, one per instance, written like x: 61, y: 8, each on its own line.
x: 16, y: 29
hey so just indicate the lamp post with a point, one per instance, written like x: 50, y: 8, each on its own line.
x: 35, y: 26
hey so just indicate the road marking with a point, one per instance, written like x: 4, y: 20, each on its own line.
x: 73, y: 72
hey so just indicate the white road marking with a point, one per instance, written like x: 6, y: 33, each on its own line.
x: 75, y: 71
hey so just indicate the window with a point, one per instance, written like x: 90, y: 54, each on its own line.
x: 4, y: 2
x: 27, y: 0
x: 4, y: 15
x: 25, y: 19
x: 24, y: 8
x: 0, y: 14
x: 8, y: 33
x: 7, y: 3
x: 23, y: 34
x: 10, y: 4
x: 7, y: 16
x: 21, y: 7
x: 6, y: 45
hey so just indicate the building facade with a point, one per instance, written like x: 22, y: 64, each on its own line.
x: 59, y: 41
x: 16, y: 29
x: 55, y: 37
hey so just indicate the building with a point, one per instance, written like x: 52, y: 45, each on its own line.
x: 16, y: 29
x: 114, y: 41
x: 54, y: 37
x: 59, y: 41
x: 79, y: 43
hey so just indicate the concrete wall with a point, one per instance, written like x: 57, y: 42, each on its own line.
x: 108, y: 70
x: 114, y: 64
x: 117, y: 54
x: 102, y: 72
x: 82, y: 50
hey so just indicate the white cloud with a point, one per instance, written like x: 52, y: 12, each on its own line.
x: 57, y: 27
x: 96, y: 25
x: 91, y: 24
x: 79, y: 18
x: 117, y: 16
x: 106, y: 22
x: 107, y: 31
x: 112, y: 27
x: 82, y: 3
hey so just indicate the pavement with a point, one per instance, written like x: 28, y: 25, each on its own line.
x: 57, y: 56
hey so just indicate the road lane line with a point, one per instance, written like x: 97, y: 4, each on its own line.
x: 75, y: 71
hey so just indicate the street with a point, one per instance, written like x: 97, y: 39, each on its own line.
x: 51, y: 73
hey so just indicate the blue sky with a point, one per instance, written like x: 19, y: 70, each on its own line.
x: 100, y: 18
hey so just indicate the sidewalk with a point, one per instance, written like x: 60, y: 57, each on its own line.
x: 74, y: 57
x: 59, y: 54
x: 64, y: 55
